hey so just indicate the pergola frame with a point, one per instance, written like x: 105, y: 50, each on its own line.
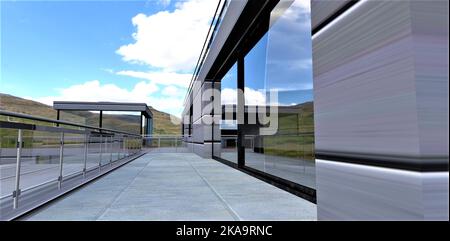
x: 109, y: 106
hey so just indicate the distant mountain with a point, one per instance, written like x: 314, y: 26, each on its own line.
x: 161, y: 120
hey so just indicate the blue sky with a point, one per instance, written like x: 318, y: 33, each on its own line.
x: 138, y: 51
x: 58, y: 44
x: 281, y: 60
x: 101, y: 50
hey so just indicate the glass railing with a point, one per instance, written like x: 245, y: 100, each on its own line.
x: 228, y: 148
x: 166, y: 143
x: 42, y: 158
x: 285, y: 155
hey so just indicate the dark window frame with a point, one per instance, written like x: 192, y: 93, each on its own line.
x: 248, y: 31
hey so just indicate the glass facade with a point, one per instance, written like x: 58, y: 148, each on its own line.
x: 90, y: 118
x: 278, y: 87
x: 126, y: 122
x: 289, y: 153
x: 115, y: 120
x: 228, y: 124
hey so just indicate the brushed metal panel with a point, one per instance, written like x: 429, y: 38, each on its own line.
x: 357, y: 192
x: 364, y: 88
x: 430, y: 44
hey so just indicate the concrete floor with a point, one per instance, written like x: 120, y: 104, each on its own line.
x: 177, y: 186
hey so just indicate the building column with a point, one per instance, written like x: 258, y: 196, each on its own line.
x: 58, y: 116
x: 205, y: 131
x: 381, y: 109
x: 140, y: 123
x: 240, y: 113
x: 100, y: 121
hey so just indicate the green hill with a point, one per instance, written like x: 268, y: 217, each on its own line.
x: 161, y: 120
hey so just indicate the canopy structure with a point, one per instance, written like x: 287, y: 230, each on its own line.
x: 146, y: 114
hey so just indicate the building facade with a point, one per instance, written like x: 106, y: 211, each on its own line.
x: 343, y: 103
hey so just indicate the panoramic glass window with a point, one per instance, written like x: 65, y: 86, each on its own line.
x: 255, y: 95
x: 281, y: 62
x: 122, y: 121
x: 90, y: 118
x: 228, y: 124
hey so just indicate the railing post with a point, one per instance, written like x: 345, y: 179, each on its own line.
x: 119, y: 151
x: 124, y: 147
x: 115, y: 148
x: 176, y: 144
x: 86, y: 146
x: 106, y: 146
x: 61, y: 160
x: 100, y: 143
x: 111, y: 150
x: 16, y: 192
x: 159, y: 143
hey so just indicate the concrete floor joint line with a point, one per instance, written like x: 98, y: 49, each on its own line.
x: 103, y: 212
x: 222, y: 200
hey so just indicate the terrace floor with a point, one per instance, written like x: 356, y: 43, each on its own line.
x: 177, y: 186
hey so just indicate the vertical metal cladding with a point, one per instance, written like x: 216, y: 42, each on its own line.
x: 201, y: 135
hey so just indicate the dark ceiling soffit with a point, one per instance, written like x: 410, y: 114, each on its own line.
x: 333, y: 16
x: 248, y: 29
x: 103, y: 106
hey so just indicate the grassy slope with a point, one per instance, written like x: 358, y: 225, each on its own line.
x: 161, y: 122
x: 287, y: 142
x: 291, y: 139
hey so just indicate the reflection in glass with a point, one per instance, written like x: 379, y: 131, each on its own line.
x: 122, y: 121
x: 228, y: 125
x: 90, y: 118
x: 281, y: 61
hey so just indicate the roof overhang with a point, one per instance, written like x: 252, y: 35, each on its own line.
x: 103, y: 106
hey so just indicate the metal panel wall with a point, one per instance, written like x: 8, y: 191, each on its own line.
x: 201, y: 135
x: 381, y: 103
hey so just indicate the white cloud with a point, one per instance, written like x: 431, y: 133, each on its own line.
x: 302, y: 64
x: 170, y: 91
x: 165, y: 3
x: 162, y: 78
x: 107, y: 70
x: 170, y: 40
x: 295, y: 64
x: 297, y: 9
x: 252, y: 97
x: 95, y: 91
x: 228, y: 96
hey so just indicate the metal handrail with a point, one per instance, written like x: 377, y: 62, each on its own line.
x: 44, y: 119
x: 128, y: 145
x: 156, y: 136
x: 200, y: 59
